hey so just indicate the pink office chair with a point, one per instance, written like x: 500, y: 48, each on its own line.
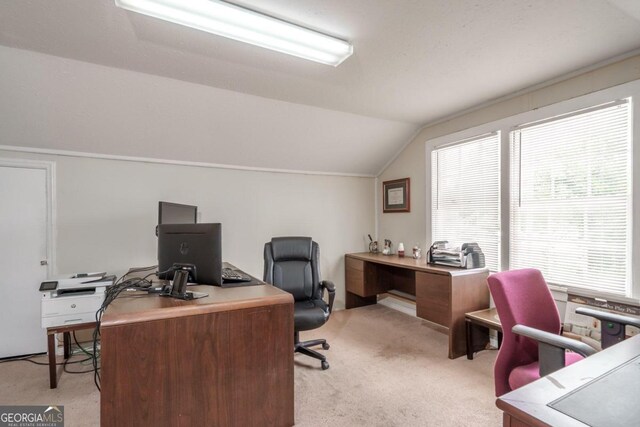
x: 531, y: 345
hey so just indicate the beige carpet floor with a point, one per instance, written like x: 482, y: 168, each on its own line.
x: 387, y: 369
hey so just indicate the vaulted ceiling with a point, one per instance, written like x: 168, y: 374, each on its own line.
x: 414, y: 62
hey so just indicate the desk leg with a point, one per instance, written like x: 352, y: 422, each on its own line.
x: 53, y: 373
x: 477, y: 338
x: 469, y: 339
x: 67, y: 344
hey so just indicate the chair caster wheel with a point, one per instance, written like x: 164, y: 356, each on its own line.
x: 325, y: 365
x: 325, y: 346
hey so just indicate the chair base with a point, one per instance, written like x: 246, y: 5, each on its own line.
x: 303, y: 347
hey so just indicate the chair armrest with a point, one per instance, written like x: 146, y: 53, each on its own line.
x: 609, y: 317
x: 331, y: 290
x: 551, y: 348
x: 554, y: 340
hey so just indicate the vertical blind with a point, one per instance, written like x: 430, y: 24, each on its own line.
x: 570, y: 198
x: 465, y: 198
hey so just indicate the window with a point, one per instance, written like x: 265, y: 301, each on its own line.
x: 568, y: 173
x: 465, y: 201
x: 571, y: 198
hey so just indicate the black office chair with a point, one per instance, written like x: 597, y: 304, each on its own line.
x: 292, y: 264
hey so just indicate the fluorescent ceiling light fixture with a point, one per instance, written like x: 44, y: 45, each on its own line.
x: 228, y: 20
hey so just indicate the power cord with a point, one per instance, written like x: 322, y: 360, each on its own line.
x: 29, y: 358
x: 75, y: 339
x: 112, y: 292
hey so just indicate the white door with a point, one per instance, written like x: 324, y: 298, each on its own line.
x: 23, y: 246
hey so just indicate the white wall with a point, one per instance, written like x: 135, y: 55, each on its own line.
x: 59, y: 103
x: 107, y: 208
x: 411, y: 162
x: 107, y: 212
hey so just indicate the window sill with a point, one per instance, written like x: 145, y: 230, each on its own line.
x: 595, y: 294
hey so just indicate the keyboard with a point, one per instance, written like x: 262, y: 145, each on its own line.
x: 231, y: 275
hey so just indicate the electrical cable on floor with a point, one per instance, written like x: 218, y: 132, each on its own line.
x: 29, y: 359
x: 21, y: 358
x: 66, y: 362
x: 75, y: 339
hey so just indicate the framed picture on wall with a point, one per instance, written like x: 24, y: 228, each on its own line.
x: 396, y: 196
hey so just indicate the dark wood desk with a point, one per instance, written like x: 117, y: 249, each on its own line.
x: 224, y: 360
x: 443, y: 294
x: 478, y: 325
x: 528, y: 405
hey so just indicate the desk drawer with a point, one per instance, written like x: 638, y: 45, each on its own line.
x: 433, y: 298
x: 355, y: 281
x: 355, y: 264
x: 354, y: 276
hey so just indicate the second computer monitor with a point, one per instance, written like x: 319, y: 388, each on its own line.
x: 175, y: 213
x: 197, y: 244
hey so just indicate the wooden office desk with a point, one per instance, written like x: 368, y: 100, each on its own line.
x: 528, y: 405
x: 223, y: 360
x: 443, y: 294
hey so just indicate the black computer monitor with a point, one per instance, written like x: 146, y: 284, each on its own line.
x: 199, y: 245
x: 175, y: 213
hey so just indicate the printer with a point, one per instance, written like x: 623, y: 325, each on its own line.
x: 72, y: 300
x: 469, y: 255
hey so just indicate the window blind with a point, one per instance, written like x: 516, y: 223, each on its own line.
x: 570, y: 198
x: 465, y: 200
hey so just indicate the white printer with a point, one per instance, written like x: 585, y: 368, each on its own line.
x: 68, y: 301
